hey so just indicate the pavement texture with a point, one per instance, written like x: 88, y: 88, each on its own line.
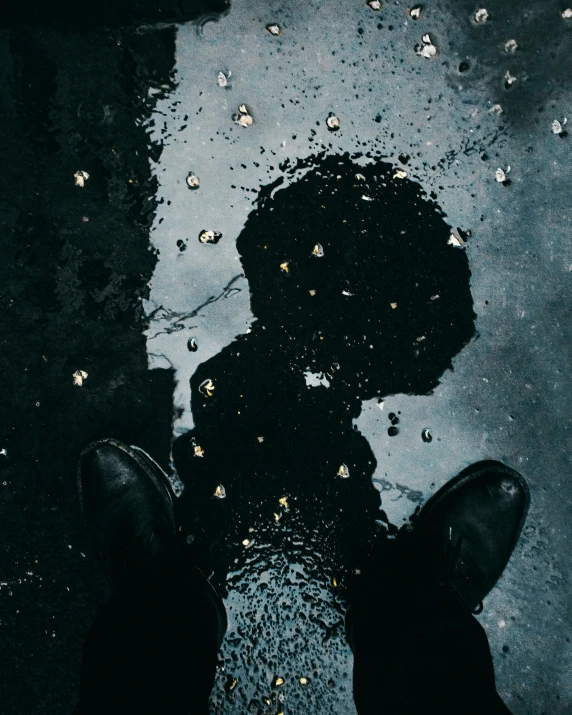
x: 364, y: 288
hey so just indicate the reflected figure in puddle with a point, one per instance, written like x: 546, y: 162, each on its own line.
x: 357, y: 293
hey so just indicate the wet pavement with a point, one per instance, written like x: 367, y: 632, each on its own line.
x: 382, y: 308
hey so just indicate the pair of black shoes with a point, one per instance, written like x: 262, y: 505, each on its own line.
x: 461, y: 541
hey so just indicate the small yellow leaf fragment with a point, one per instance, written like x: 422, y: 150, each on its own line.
x: 78, y: 377
x: 332, y: 122
x: 343, y: 471
x: 80, y: 178
x: 277, y: 517
x: 243, y: 117
x: 455, y: 240
x: 285, y: 266
x: 207, y: 388
x: 335, y: 581
x: 393, y: 306
x: 312, y: 293
x: 232, y: 684
x: 399, y: 174
x: 283, y: 501
x: 318, y: 251
x: 198, y: 451
x: 278, y: 681
x: 303, y: 681
x: 220, y: 492
x: 260, y: 439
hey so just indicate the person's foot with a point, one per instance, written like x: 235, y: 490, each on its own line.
x: 127, y: 507
x: 465, y: 534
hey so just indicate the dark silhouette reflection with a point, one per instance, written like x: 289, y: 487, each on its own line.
x: 382, y: 311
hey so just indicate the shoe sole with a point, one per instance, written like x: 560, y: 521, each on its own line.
x: 471, y: 474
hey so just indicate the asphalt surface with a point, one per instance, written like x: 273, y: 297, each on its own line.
x: 399, y: 354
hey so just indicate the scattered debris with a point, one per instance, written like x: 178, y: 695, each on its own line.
x: 277, y: 517
x: 426, y: 436
x: 260, y: 439
x: 346, y: 292
x: 509, y: 79
x: 420, y: 339
x: 455, y: 240
x: 206, y: 388
x: 567, y: 14
x: 246, y: 542
x: 343, y: 471
x: 278, y: 681
x: 274, y: 29
x: 501, y: 175
x: 558, y: 127
x: 481, y: 16
x: 78, y: 377
x: 367, y: 198
x: 303, y: 681
x: 375, y: 4
x: 426, y: 48
x: 192, y: 345
x: 223, y: 78
x: 435, y: 297
x: 510, y: 46
x: 220, y: 492
x: 285, y: 266
x: 312, y: 293
x: 495, y: 110
x: 399, y: 174
x: 415, y: 12
x: 334, y: 581
x: 198, y: 451
x: 243, y: 117
x: 393, y: 306
x: 318, y: 251
x: 207, y: 236
x: 283, y: 501
x: 333, y: 122
x: 80, y: 178
x: 193, y: 181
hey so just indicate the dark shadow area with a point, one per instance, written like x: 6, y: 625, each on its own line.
x: 107, y: 13
x: 76, y: 263
x: 353, y: 279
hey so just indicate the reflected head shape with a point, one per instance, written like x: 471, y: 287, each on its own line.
x: 387, y: 305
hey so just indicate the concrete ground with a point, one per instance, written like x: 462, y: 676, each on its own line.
x: 111, y: 279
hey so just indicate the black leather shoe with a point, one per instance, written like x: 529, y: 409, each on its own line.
x: 128, y: 509
x: 465, y: 534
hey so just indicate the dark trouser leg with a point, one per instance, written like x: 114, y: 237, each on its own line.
x: 422, y: 655
x: 152, y: 649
